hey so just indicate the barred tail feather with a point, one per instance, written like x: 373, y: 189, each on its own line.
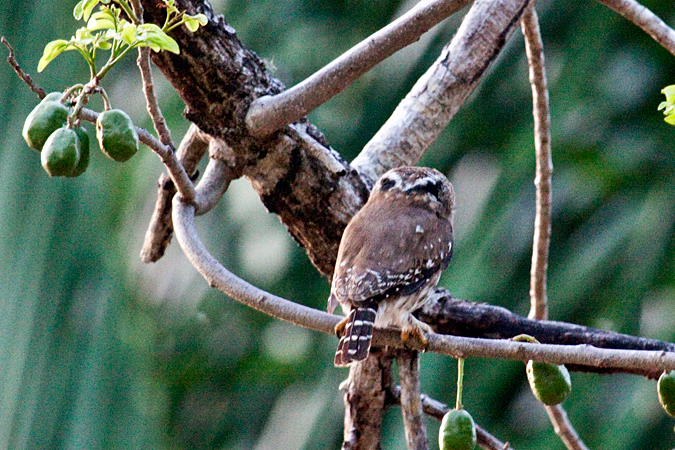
x: 354, y: 344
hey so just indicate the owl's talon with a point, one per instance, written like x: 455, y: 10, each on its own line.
x: 340, y: 327
x: 416, y: 330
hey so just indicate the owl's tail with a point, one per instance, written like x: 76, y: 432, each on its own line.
x: 354, y: 344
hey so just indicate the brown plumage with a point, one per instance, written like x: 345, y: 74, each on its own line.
x: 391, y: 255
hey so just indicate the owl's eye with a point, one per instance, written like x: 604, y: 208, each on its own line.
x: 429, y: 187
x: 386, y: 184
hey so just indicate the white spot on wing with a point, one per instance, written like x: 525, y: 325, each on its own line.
x: 419, y: 229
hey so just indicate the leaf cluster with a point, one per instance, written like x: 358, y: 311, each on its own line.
x: 115, y: 28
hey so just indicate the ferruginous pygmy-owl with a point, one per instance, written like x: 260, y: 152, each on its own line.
x: 390, y: 257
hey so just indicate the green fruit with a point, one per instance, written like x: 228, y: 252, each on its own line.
x: 83, y: 146
x: 458, y: 431
x: 52, y: 97
x: 551, y: 384
x: 666, y: 390
x: 116, y: 135
x: 48, y: 116
x: 61, y: 153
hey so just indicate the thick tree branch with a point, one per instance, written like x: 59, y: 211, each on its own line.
x: 270, y: 113
x: 441, y: 91
x: 365, y: 395
x: 408, y: 363
x: 297, y: 175
x: 645, y: 19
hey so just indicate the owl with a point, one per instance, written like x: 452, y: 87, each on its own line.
x: 390, y: 257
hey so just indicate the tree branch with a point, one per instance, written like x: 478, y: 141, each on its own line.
x: 645, y: 19
x: 409, y: 376
x: 365, y: 401
x: 564, y: 428
x: 441, y: 91
x: 271, y: 113
x: 534, y: 49
x: 647, y: 363
x: 11, y: 60
x: 296, y: 174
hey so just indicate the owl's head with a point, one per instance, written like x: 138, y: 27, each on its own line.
x: 422, y: 186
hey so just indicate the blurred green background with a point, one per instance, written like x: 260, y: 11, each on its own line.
x: 100, y: 351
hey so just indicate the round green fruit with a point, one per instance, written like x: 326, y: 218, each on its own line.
x: 61, y: 154
x: 551, y: 384
x: 83, y: 147
x: 458, y: 431
x: 52, y: 97
x: 116, y: 135
x: 48, y: 116
x: 666, y: 390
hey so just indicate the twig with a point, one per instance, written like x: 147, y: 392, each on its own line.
x: 542, y: 222
x: 177, y: 172
x: 160, y: 229
x: 167, y: 153
x: 19, y: 71
x: 437, y: 410
x: 645, y: 19
x: 154, y: 110
x: 409, y: 375
x: 441, y: 91
x: 544, y: 165
x: 563, y: 428
x: 458, y: 347
x: 270, y: 113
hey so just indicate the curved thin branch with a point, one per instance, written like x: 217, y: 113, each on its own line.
x: 221, y: 278
x: 648, y: 363
x: 645, y: 19
x: 271, y: 113
x: 437, y: 410
x: 442, y: 90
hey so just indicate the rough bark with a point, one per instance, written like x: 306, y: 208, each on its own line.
x: 297, y: 175
x: 365, y: 401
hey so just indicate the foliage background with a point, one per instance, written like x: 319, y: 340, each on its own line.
x: 98, y: 350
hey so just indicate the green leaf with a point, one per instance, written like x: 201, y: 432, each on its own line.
x: 103, y: 44
x: 52, y: 50
x: 170, y: 7
x: 84, y: 8
x: 129, y: 33
x: 155, y: 38
x: 102, y: 22
x: 83, y: 36
x: 669, y: 92
x: 670, y: 119
x: 193, y: 22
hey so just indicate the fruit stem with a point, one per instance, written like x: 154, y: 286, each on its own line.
x: 460, y: 383
x: 106, y: 101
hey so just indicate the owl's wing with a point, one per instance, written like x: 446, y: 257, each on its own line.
x: 390, y: 250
